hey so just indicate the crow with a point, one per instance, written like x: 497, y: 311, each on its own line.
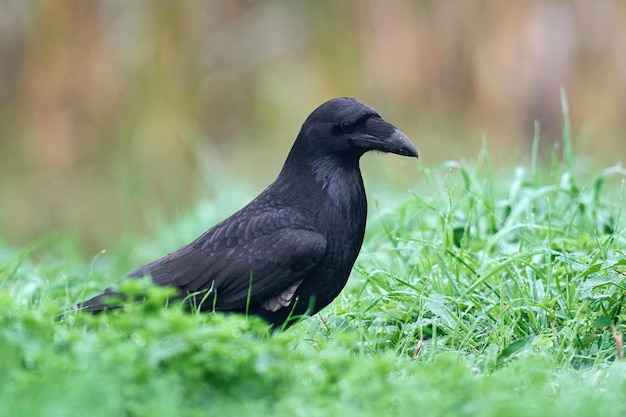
x: 289, y: 252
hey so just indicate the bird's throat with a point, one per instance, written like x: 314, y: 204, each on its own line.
x: 342, y: 183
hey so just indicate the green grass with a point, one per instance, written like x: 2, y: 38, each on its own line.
x: 483, y: 294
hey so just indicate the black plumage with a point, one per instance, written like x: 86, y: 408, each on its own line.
x: 289, y: 252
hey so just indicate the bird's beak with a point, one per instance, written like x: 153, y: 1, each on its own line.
x: 396, y: 143
x: 399, y: 144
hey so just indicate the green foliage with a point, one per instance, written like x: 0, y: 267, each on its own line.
x: 540, y: 265
x: 479, y: 296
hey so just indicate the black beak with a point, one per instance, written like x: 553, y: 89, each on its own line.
x: 396, y: 143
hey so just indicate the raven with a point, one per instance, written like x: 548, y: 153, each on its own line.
x: 289, y: 252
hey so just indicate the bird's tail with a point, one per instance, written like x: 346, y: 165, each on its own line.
x: 108, y: 300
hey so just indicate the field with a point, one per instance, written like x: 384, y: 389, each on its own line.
x: 482, y: 294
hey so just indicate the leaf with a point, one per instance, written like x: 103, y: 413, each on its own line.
x: 514, y: 347
x: 602, y: 321
x: 436, y: 304
x: 586, y: 288
x: 593, y: 269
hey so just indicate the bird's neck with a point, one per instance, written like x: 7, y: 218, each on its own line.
x: 336, y: 181
x: 341, y: 180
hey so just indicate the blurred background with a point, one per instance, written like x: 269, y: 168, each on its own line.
x: 111, y: 111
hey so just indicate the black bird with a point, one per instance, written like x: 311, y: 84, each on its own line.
x: 288, y: 252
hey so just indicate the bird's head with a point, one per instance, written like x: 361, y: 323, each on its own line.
x: 346, y: 127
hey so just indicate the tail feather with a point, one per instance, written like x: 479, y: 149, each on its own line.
x: 108, y: 300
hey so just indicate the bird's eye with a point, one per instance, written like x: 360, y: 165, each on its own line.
x: 347, y: 127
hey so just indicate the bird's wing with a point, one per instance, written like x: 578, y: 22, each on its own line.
x: 257, y: 255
